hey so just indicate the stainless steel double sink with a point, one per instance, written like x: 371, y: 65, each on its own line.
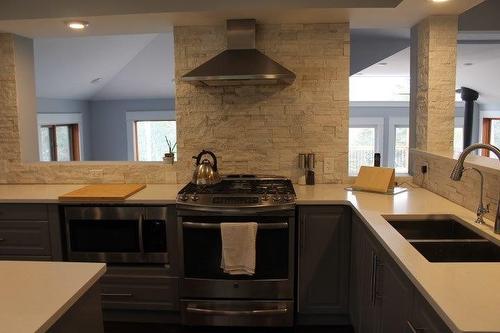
x: 445, y: 238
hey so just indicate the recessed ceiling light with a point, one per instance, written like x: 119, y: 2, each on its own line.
x: 468, y: 63
x: 382, y: 64
x: 440, y: 0
x: 77, y: 25
x: 97, y: 79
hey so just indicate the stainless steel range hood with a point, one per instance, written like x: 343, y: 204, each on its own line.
x: 241, y: 63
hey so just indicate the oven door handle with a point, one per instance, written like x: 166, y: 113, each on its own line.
x: 193, y: 309
x: 198, y: 225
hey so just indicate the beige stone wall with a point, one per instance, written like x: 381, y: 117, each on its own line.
x: 262, y: 129
x: 12, y: 170
x: 464, y: 192
x: 434, y: 102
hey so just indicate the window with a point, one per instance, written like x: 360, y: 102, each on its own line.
x: 365, y: 139
x: 150, y: 138
x: 458, y: 140
x: 401, y: 149
x: 361, y: 148
x: 59, y: 143
x: 491, y: 134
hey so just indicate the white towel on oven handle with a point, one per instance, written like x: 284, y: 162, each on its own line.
x: 238, y: 247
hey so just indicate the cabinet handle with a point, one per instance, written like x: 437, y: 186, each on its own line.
x: 413, y: 329
x: 117, y: 295
x: 373, y: 279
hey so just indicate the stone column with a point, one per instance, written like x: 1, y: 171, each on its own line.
x: 433, y: 76
x: 9, y: 129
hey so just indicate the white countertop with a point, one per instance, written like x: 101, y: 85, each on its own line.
x: 34, y: 295
x: 466, y: 295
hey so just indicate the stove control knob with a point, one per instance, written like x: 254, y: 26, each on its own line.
x: 265, y: 197
x: 184, y: 197
x: 287, y: 197
x: 195, y: 197
x: 277, y: 198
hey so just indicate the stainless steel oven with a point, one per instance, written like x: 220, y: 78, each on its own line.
x: 116, y: 234
x: 212, y: 297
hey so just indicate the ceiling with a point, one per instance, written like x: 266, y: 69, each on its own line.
x: 130, y: 67
x: 31, y: 18
x: 483, y: 75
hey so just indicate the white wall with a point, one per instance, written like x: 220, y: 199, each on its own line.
x: 26, y: 98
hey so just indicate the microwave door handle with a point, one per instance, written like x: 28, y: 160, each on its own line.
x: 141, y: 238
x: 198, y: 225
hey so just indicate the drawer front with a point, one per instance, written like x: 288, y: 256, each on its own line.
x: 29, y: 238
x: 237, y: 313
x: 23, y: 212
x: 129, y: 290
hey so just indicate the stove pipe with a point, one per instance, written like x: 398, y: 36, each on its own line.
x: 468, y: 96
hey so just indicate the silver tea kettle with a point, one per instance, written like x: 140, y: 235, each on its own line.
x: 204, y: 172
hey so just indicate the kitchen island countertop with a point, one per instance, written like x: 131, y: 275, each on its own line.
x: 34, y: 295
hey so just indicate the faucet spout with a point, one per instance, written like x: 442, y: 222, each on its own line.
x: 458, y: 170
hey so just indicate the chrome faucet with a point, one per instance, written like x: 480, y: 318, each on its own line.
x: 458, y: 170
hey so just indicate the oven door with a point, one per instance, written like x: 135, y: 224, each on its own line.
x: 203, y: 276
x: 116, y: 234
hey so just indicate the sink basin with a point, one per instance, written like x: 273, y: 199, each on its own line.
x: 459, y: 251
x: 432, y: 228
x: 444, y: 239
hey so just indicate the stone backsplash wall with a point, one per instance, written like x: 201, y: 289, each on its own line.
x: 12, y: 170
x: 262, y: 129
x: 464, y: 192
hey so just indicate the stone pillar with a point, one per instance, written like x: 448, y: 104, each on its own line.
x: 9, y: 130
x: 433, y: 76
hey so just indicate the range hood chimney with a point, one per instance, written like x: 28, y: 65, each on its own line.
x: 241, y: 63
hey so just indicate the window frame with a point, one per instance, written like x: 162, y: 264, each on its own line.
x: 73, y: 145
x: 486, y: 133
x: 63, y: 119
x: 395, y: 122
x: 368, y: 122
x: 134, y: 116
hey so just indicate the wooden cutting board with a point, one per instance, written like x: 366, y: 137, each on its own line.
x: 103, y: 192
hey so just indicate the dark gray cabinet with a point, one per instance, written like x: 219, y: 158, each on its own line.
x: 382, y: 298
x: 423, y: 318
x: 30, y: 232
x: 323, y: 261
x: 365, y: 280
x: 139, y: 293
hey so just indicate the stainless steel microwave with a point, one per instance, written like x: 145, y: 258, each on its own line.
x: 116, y: 234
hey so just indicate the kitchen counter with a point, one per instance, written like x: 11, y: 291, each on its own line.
x: 34, y: 295
x: 43, y: 193
x: 466, y: 295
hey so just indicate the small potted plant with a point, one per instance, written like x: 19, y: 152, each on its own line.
x: 169, y: 157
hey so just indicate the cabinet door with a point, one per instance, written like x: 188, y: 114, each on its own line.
x: 24, y: 238
x: 424, y: 319
x: 394, y: 298
x: 365, y: 271
x: 324, y: 239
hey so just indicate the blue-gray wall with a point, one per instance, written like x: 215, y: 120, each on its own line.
x: 104, y: 122
x: 108, y: 123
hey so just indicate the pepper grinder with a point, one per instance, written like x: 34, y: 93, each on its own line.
x: 310, y: 169
x: 302, y: 166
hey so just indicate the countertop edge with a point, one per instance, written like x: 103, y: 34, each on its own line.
x: 69, y: 303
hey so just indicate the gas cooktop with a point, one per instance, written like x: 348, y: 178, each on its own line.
x: 240, y: 191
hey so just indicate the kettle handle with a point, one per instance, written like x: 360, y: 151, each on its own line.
x: 203, y: 152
